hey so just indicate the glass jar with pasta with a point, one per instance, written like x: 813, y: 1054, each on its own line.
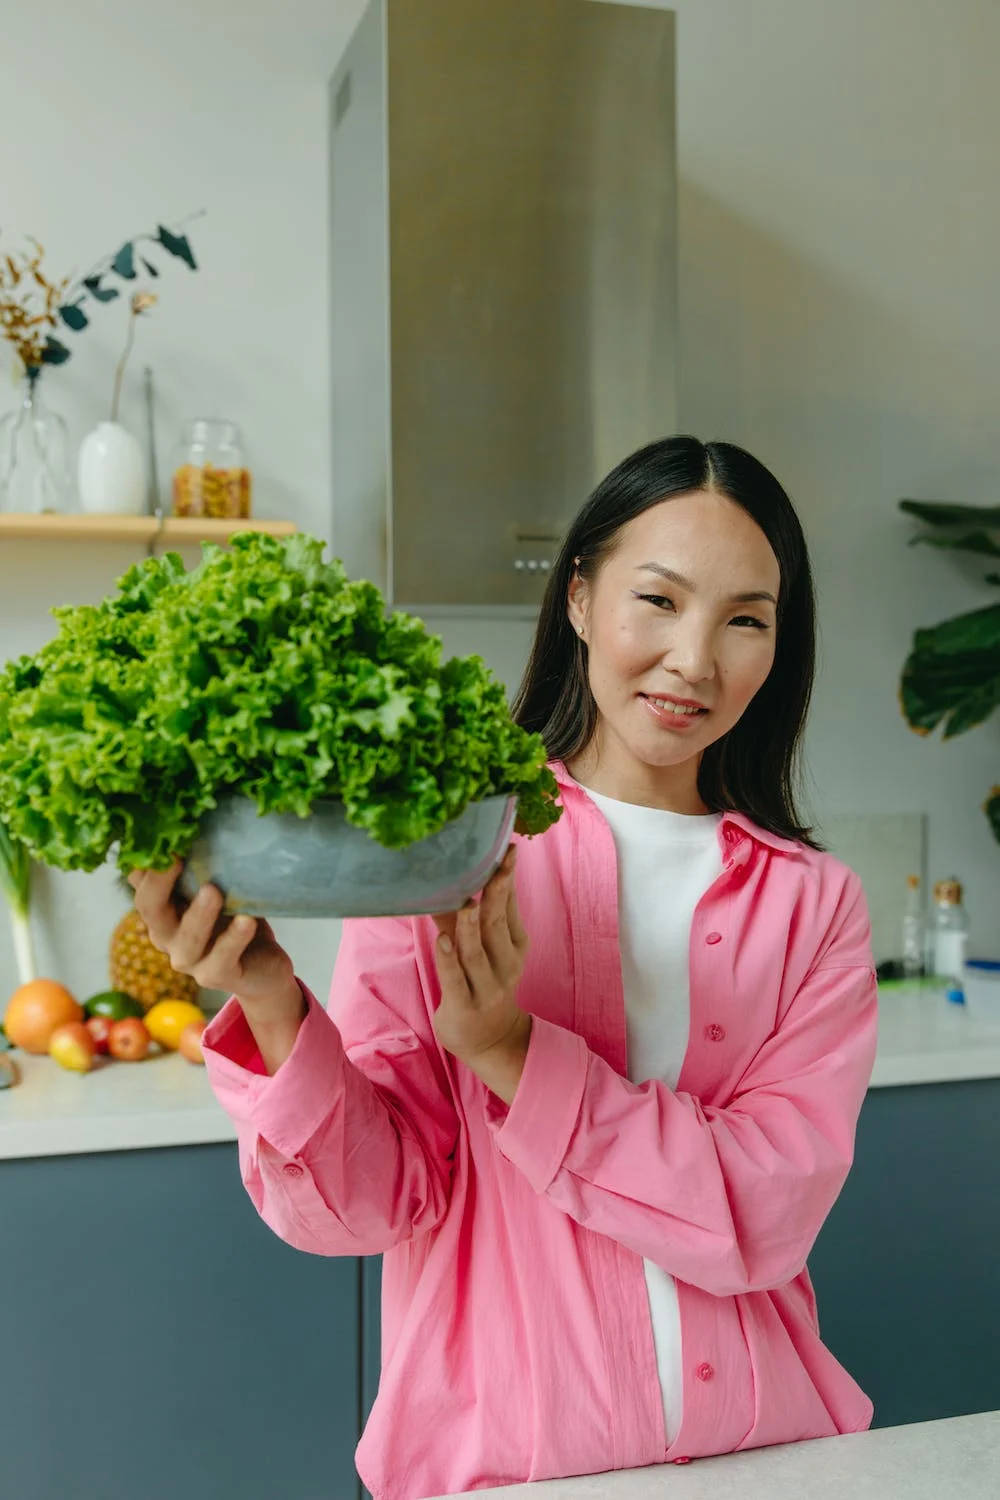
x: 210, y: 473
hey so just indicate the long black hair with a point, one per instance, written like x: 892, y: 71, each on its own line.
x: 753, y: 768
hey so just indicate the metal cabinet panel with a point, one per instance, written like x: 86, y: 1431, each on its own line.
x: 509, y: 167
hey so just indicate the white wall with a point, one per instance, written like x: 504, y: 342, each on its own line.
x: 838, y: 224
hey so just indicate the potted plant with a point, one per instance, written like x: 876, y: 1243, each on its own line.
x: 33, y: 310
x: 173, y: 715
x: 953, y: 670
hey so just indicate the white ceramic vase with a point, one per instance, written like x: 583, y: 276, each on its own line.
x: 111, y: 472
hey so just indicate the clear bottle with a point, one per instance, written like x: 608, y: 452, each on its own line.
x: 914, y: 939
x: 950, y: 935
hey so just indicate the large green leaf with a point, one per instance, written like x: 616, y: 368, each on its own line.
x: 953, y: 673
x: 945, y: 513
x: 976, y: 631
x: 971, y: 541
x: 991, y: 807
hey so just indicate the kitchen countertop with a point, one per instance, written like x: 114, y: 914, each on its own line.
x: 161, y: 1101
x: 166, y: 1101
x: 957, y: 1456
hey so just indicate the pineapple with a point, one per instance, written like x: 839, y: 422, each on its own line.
x: 142, y: 970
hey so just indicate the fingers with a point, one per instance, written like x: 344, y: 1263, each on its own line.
x: 197, y: 940
x: 449, y: 967
x: 471, y: 953
x: 445, y: 922
x: 494, y: 921
x: 221, y: 968
x: 518, y: 934
x: 194, y: 934
x: 154, y: 902
x: 488, y: 938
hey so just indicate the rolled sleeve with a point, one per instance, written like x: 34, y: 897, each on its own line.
x: 285, y: 1108
x: 535, y: 1131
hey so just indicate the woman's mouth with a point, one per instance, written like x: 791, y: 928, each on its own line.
x: 670, y: 715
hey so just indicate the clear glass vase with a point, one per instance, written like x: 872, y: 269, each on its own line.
x: 34, y: 456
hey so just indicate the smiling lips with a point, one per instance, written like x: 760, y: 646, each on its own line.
x: 669, y: 713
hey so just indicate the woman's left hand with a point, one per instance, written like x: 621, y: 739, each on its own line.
x: 480, y: 957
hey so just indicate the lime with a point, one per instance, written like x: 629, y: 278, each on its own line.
x: 115, y: 1004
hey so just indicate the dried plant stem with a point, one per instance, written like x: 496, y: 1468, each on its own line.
x: 120, y: 372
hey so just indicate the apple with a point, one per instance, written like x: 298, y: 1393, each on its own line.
x: 73, y: 1047
x: 190, y: 1041
x: 128, y: 1040
x: 100, y: 1029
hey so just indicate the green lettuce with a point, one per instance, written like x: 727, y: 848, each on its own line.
x: 265, y: 672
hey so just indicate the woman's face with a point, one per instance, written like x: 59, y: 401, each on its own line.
x: 650, y: 636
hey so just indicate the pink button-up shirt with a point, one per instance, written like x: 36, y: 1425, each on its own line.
x: 516, y: 1335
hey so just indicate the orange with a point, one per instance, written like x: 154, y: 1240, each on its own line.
x: 35, y: 1010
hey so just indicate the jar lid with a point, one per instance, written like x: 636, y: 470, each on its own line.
x: 203, y: 428
x: 948, y: 891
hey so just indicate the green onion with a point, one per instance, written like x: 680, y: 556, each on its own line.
x: 15, y: 878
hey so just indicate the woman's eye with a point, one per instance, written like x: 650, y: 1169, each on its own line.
x: 660, y: 599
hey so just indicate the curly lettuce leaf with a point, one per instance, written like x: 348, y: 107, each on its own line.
x: 264, y: 672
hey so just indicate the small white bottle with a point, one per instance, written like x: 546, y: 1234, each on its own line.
x: 950, y: 935
x: 914, y: 938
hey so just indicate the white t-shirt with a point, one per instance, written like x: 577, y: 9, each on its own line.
x: 666, y: 862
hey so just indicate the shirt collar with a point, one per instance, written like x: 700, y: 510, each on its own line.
x: 734, y: 819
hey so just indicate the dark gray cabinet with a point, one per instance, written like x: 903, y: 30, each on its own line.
x: 158, y: 1342
x: 906, y: 1269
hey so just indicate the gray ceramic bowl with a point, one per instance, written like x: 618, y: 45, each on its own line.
x: 281, y: 865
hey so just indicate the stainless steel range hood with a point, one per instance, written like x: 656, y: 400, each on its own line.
x: 503, y: 282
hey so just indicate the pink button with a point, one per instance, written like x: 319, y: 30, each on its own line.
x: 292, y: 1169
x: 715, y: 1033
x: 704, y: 1372
x: 714, y: 937
x: 682, y: 1460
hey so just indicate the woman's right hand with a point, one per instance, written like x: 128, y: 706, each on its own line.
x: 237, y: 954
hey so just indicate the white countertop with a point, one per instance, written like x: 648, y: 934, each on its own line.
x: 959, y: 1456
x: 166, y: 1101
x: 923, y: 1038
x: 161, y: 1101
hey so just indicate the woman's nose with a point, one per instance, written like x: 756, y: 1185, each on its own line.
x: 690, y: 654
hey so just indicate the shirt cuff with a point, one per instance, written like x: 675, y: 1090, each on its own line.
x: 535, y: 1131
x: 287, y: 1107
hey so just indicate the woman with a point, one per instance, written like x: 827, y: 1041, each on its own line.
x: 595, y: 1121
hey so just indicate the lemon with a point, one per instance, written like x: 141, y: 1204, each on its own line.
x: 167, y: 1019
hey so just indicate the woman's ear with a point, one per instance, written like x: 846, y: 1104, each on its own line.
x: 576, y: 601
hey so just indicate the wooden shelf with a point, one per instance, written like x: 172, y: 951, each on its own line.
x: 79, y: 527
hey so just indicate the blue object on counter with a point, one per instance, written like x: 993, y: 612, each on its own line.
x: 987, y: 965
x: 956, y: 996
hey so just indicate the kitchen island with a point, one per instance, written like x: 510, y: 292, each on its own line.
x: 958, y: 1456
